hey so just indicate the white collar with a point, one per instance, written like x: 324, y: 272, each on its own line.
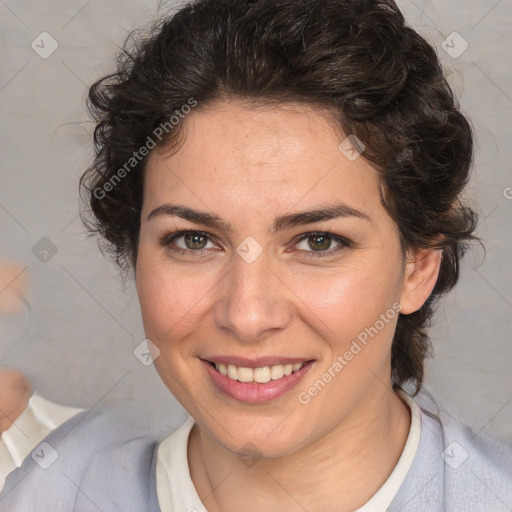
x: 383, y: 498
x: 39, y: 418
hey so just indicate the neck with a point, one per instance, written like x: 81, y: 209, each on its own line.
x: 351, y: 462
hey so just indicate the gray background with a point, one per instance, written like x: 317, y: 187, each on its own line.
x: 76, y: 340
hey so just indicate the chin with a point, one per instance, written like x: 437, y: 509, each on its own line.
x: 245, y: 438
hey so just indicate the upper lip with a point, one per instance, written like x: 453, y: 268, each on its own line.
x: 256, y: 362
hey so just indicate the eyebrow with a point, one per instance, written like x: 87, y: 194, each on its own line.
x: 322, y: 213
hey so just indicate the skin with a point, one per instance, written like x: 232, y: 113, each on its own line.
x: 15, y: 392
x: 13, y: 287
x: 249, y: 166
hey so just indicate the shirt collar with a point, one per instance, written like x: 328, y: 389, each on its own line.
x: 24, y: 435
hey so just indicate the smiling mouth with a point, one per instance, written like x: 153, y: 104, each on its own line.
x: 260, y: 375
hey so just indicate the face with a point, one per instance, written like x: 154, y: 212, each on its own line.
x: 252, y: 278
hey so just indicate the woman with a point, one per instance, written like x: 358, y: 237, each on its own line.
x: 284, y: 180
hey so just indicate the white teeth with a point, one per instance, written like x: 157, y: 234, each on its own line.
x: 261, y: 375
x: 277, y: 372
x: 232, y: 371
x: 245, y: 374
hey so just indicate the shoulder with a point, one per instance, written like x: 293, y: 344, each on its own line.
x: 463, y: 443
x: 456, y: 467
x: 478, y: 468
x: 84, y: 457
x: 122, y: 477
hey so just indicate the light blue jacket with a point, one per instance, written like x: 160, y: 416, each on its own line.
x: 106, y: 464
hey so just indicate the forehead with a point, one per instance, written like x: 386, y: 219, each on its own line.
x: 256, y: 157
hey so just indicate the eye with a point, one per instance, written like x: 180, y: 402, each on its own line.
x: 319, y: 242
x: 191, y: 241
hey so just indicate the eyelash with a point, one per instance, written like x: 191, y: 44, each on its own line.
x: 167, y: 239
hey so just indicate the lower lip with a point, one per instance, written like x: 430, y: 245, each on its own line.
x: 254, y: 392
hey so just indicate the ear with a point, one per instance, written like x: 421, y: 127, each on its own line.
x: 420, y: 276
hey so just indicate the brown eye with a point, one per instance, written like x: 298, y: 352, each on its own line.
x: 195, y: 241
x: 191, y: 242
x: 319, y: 244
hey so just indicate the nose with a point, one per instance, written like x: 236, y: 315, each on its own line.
x: 252, y: 300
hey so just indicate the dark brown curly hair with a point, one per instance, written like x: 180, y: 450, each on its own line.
x: 356, y: 58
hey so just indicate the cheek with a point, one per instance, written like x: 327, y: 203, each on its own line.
x: 353, y: 314
x: 171, y: 297
x: 344, y: 301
